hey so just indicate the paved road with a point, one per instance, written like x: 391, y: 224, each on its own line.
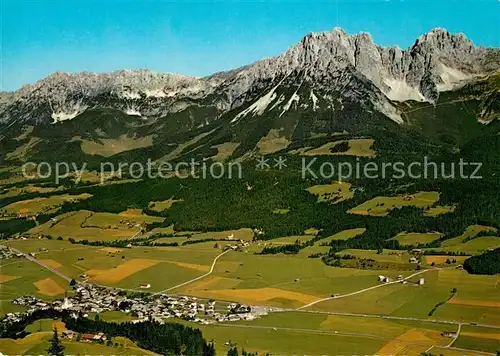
x: 344, y: 333
x: 456, y: 336
x: 371, y: 288
x: 197, y: 278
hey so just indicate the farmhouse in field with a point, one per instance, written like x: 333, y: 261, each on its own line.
x: 145, y: 285
x: 449, y: 334
x: 384, y: 279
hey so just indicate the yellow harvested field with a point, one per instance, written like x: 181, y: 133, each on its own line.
x: 399, y: 347
x: 257, y: 295
x: 51, y: 263
x: 14, y: 191
x: 48, y: 287
x: 334, y: 193
x: 201, y: 268
x: 211, y: 282
x: 380, y: 206
x: 361, y: 147
x: 42, y: 205
x: 475, y: 302
x: 439, y: 260
x: 163, y: 204
x: 122, y: 271
x: 59, y: 325
x: 224, y: 151
x: 272, y: 142
x: 108, y: 147
x: 5, y: 278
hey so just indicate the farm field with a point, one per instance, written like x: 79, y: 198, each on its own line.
x: 163, y: 204
x: 332, y: 193
x: 439, y: 210
x: 162, y: 267
x: 36, y: 344
x: 441, y: 260
x: 20, y: 277
x: 380, y: 206
x: 360, y: 147
x: 483, y: 339
x: 418, y: 301
x: 470, y: 232
x: 286, y: 342
x: 15, y: 191
x: 253, y: 279
x: 413, y: 238
x: 475, y: 246
x: 344, y: 235
x: 92, y: 226
x: 390, y: 256
x: 41, y: 205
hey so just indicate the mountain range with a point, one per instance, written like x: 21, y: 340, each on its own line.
x: 330, y: 83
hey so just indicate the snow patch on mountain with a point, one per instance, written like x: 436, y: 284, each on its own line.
x: 133, y: 112
x: 401, y: 91
x: 259, y: 106
x: 63, y: 116
x: 294, y: 99
x: 314, y: 99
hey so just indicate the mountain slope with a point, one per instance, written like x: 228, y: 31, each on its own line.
x: 328, y: 84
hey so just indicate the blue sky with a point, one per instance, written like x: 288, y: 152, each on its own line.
x: 199, y: 38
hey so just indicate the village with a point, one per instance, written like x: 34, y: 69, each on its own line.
x: 90, y: 300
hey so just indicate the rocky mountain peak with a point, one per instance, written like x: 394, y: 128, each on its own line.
x: 437, y: 61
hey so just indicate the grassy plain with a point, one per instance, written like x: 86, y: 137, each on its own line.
x: 88, y: 225
x: 107, y: 147
x: 415, y: 238
x: 224, y: 151
x: 163, y: 204
x: 41, y: 205
x: 357, y: 147
x: 345, y: 235
x: 418, y: 301
x: 37, y: 343
x: 381, y: 206
x: 333, y: 193
x: 27, y: 277
x: 162, y: 267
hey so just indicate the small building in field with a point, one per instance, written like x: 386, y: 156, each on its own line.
x: 449, y: 334
x: 145, y: 285
x: 421, y: 281
x: 88, y: 337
